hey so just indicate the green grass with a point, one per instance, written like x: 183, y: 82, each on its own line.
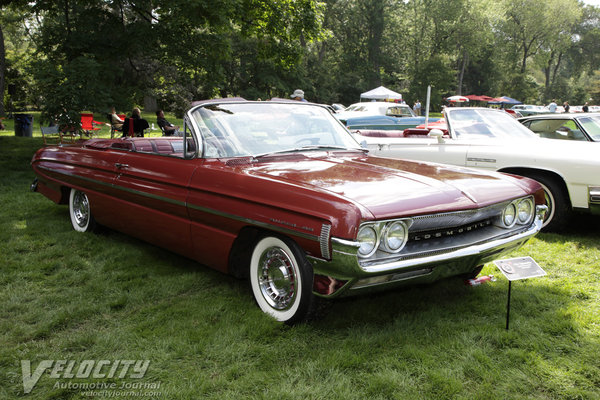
x: 71, y: 296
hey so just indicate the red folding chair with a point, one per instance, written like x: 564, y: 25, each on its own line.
x: 88, y: 125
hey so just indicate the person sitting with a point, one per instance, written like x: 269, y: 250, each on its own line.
x: 168, y: 128
x: 135, y: 125
x: 115, y: 121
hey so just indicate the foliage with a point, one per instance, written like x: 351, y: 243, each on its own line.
x: 92, y: 54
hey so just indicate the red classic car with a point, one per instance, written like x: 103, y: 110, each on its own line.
x: 282, y: 194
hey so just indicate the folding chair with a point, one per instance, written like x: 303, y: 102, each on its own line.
x: 135, y: 127
x: 88, y: 125
x: 113, y: 128
x: 54, y: 132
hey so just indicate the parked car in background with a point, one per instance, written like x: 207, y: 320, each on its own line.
x: 579, y: 126
x: 530, y: 109
x: 492, y: 140
x: 513, y: 113
x: 282, y: 194
x: 338, y: 107
x: 368, y: 108
x: 380, y: 115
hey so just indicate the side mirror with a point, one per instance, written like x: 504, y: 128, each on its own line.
x: 437, y: 133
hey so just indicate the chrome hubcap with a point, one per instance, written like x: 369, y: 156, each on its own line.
x: 81, y: 209
x: 550, y: 203
x: 277, y: 278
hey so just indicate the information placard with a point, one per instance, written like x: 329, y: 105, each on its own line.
x: 519, y: 268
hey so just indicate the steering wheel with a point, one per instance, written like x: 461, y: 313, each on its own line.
x: 306, y: 142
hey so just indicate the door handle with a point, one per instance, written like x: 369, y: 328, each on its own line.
x: 119, y: 165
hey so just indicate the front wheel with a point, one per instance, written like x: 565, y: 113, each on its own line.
x: 281, y: 280
x: 80, y: 212
x: 557, y: 200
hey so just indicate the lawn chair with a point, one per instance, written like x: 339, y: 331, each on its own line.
x: 55, y: 133
x: 113, y: 128
x: 88, y: 125
x: 135, y: 127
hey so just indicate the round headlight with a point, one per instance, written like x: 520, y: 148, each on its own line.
x: 525, y: 211
x: 509, y: 215
x: 395, y: 236
x: 367, y: 238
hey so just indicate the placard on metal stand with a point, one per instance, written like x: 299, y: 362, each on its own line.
x: 515, y: 269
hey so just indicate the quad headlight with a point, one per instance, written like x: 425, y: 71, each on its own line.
x: 395, y: 235
x: 525, y: 211
x: 368, y: 239
x: 388, y: 236
x: 509, y: 215
x: 517, y: 212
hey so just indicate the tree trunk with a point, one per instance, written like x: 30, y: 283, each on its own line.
x: 2, y: 73
x: 461, y: 74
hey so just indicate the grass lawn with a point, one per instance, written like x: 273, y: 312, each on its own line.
x: 70, y: 296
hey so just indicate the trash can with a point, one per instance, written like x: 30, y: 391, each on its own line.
x: 24, y: 125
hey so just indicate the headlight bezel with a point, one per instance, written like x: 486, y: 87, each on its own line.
x: 382, y: 230
x: 531, y: 213
x: 386, y: 236
x: 514, y: 208
x: 365, y: 228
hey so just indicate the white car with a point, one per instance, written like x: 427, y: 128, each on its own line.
x: 375, y: 108
x: 492, y: 140
x: 530, y: 109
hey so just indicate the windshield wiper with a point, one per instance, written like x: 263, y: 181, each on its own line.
x: 306, y: 148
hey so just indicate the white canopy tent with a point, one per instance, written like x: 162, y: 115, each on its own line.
x: 381, y: 93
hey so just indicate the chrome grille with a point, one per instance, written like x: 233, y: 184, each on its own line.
x: 324, y: 240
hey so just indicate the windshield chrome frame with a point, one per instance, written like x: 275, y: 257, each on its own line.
x: 196, y: 131
x: 452, y: 133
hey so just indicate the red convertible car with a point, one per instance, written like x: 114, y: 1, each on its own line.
x: 282, y: 194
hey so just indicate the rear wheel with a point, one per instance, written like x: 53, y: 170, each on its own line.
x: 557, y: 200
x: 80, y: 212
x: 281, y: 280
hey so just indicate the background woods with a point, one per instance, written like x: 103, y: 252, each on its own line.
x: 72, y: 55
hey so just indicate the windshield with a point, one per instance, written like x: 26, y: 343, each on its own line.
x: 592, y: 126
x: 484, y: 123
x: 400, y: 111
x: 258, y: 128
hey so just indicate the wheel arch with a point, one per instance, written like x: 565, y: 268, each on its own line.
x: 530, y: 172
x: 241, y: 250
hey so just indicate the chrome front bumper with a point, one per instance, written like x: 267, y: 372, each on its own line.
x: 345, y: 263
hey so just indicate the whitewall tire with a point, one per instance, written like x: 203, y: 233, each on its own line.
x: 81, y: 212
x: 281, y: 279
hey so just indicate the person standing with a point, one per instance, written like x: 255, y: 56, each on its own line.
x: 552, y: 106
x: 566, y: 106
x: 298, y: 95
x: 417, y: 108
x: 585, y: 107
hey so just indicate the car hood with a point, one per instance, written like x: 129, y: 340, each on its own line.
x: 390, y: 188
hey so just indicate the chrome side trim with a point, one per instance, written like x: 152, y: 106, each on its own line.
x: 594, y: 195
x: 486, y: 160
x: 275, y: 228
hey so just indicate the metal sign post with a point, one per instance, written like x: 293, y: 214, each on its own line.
x: 515, y: 269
